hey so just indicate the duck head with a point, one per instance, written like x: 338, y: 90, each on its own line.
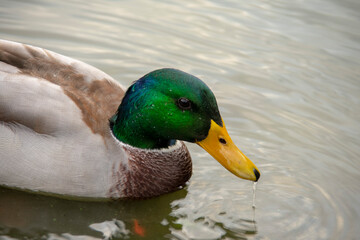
x: 167, y: 105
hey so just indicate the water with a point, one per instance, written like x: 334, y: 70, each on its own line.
x: 286, y: 75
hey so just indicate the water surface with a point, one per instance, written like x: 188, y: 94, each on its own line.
x: 287, y: 78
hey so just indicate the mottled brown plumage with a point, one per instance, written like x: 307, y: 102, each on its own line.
x: 98, y: 99
x: 152, y: 172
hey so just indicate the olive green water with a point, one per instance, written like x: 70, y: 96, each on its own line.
x: 287, y: 78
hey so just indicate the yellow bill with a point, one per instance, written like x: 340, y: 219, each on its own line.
x: 219, y: 145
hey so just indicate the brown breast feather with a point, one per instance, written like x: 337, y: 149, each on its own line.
x: 151, y: 173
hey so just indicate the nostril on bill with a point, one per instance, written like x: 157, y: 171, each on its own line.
x: 222, y: 141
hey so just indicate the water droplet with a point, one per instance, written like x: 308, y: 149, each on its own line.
x: 254, y: 195
x: 253, y: 205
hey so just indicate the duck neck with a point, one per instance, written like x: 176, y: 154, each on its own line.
x: 137, y: 132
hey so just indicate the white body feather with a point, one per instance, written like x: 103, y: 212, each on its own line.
x: 65, y: 157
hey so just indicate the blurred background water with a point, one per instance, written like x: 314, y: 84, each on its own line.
x: 287, y: 78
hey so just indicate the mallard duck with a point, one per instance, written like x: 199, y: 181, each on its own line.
x: 69, y: 129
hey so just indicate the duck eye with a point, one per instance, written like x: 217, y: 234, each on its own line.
x: 184, y: 103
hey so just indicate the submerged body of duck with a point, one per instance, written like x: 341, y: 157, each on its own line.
x: 69, y: 129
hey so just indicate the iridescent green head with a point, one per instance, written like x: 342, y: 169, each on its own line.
x: 167, y: 105
x: 163, y: 106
